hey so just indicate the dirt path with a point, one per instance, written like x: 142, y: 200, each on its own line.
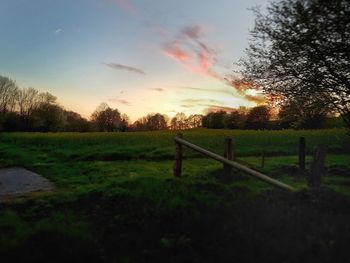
x: 18, y: 181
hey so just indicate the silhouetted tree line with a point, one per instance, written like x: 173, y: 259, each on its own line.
x: 159, y: 121
x: 291, y: 115
x: 181, y: 122
x: 27, y: 109
x: 242, y: 118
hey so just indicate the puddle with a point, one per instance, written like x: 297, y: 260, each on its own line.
x: 19, y: 181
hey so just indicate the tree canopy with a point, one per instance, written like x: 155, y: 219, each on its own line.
x: 300, y: 49
x: 106, y: 118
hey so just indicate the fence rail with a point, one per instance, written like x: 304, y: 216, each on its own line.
x: 178, y: 163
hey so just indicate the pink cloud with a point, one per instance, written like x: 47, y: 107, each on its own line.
x: 188, y: 49
x: 175, y: 51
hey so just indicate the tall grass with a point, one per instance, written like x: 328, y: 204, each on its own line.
x: 160, y: 145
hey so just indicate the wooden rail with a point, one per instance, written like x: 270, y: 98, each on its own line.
x: 178, y: 163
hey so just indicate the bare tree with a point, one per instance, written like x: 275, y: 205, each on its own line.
x: 8, y: 94
x: 27, y: 101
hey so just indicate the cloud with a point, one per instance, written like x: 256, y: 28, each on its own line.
x: 200, y: 101
x: 120, y: 101
x: 58, y: 31
x: 158, y: 89
x: 190, y: 103
x: 240, y: 85
x: 258, y: 99
x: 215, y: 108
x: 193, y: 32
x: 222, y: 91
x: 188, y: 48
x: 175, y: 51
x: 125, y: 67
x: 186, y: 106
x: 243, y: 88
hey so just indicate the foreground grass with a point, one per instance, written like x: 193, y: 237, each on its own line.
x: 117, y: 200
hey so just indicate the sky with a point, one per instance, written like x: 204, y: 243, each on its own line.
x: 140, y: 56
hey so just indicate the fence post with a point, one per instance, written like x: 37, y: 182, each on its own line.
x: 317, y: 167
x: 228, y: 154
x: 178, y: 157
x: 302, y: 152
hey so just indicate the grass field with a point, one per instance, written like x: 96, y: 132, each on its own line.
x: 117, y: 200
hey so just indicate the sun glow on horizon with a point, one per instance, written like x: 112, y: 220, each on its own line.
x: 137, y: 58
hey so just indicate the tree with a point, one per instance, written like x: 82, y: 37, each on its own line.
x: 106, y: 118
x: 194, y: 121
x: 124, y: 123
x: 8, y: 95
x: 75, y: 122
x: 48, y: 117
x: 214, y: 120
x: 303, y: 113
x: 234, y: 120
x: 258, y: 118
x: 11, y: 121
x: 173, y: 123
x: 156, y: 122
x: 140, y: 124
x: 28, y: 101
x: 179, y: 122
x: 302, y: 47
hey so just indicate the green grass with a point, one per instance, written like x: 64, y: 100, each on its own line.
x: 75, y: 161
x: 115, y: 192
x: 159, y: 145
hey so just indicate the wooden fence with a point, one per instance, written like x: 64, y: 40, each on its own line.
x: 180, y: 142
x: 314, y: 175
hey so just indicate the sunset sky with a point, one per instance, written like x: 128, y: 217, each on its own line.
x: 140, y: 56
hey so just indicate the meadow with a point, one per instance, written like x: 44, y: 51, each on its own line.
x: 117, y: 200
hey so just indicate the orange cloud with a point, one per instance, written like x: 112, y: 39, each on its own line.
x: 242, y: 87
x: 215, y: 108
x: 239, y: 85
x: 258, y: 99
